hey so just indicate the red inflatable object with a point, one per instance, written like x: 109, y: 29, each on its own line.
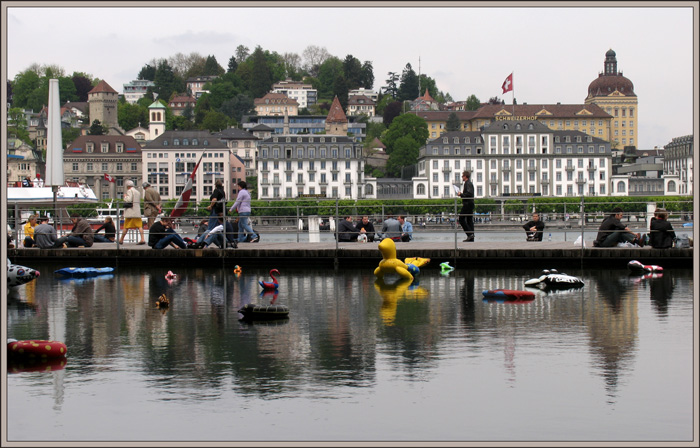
x: 37, y: 348
x: 508, y: 295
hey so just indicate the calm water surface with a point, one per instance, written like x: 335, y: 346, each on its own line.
x: 355, y: 361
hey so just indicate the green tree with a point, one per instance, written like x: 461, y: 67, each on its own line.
x: 166, y: 83
x: 408, y: 89
x: 215, y: 121
x: 367, y: 75
x: 181, y: 123
x: 329, y: 70
x: 68, y: 135
x: 453, y: 123
x: 242, y: 53
x: 212, y: 67
x: 391, y: 111
x: 340, y: 90
x: 238, y: 106
x: 352, y: 70
x: 232, y: 64
x: 408, y: 125
x: 130, y: 116
x: 96, y: 128
x: 261, y: 74
x: 391, y: 87
x: 405, y: 153
x: 148, y: 72
x: 472, y: 103
x: 83, y: 85
x: 22, y: 87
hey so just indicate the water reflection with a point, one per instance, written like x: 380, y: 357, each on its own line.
x: 344, y: 330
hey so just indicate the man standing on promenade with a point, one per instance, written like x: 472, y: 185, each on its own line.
x: 466, y: 215
x: 151, y: 203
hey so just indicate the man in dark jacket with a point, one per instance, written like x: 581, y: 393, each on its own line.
x: 534, y: 229
x: 162, y: 235
x: 466, y: 215
x: 347, y: 231
x: 366, y: 227
x: 80, y: 235
x: 612, y: 231
x: 661, y: 234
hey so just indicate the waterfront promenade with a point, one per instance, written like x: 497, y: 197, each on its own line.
x: 329, y: 255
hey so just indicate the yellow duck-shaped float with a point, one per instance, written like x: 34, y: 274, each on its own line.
x: 390, y: 264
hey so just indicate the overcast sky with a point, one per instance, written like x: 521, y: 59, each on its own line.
x: 554, y: 52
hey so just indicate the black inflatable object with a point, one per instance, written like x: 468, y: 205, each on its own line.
x: 264, y: 312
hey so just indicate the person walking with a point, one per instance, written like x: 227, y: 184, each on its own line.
x: 466, y: 215
x: 218, y: 198
x: 44, y: 234
x: 534, y: 229
x: 132, y: 212
x: 242, y: 206
x: 151, y: 203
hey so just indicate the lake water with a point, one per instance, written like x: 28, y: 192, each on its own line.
x: 355, y: 361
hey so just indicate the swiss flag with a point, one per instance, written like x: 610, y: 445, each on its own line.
x: 508, y: 84
x: 109, y: 178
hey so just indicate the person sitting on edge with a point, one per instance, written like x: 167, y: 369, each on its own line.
x: 391, y: 228
x: 216, y: 236
x: 44, y: 234
x: 406, y: 229
x: 366, y: 228
x: 661, y: 234
x: 162, y: 235
x: 347, y: 232
x: 81, y: 235
x: 534, y: 228
x: 612, y: 230
x: 29, y: 231
x: 109, y: 229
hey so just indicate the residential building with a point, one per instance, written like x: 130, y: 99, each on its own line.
x: 644, y: 169
x: 369, y: 93
x: 195, y: 85
x: 170, y: 158
x: 678, y: 166
x: 89, y: 157
x: 103, y: 100
x: 300, y: 124
x: 276, y: 104
x: 304, y: 94
x: 136, y: 89
x: 361, y: 105
x: 515, y: 158
x: 23, y: 160
x: 243, y: 145
x: 180, y: 103
x: 425, y: 102
x: 614, y: 93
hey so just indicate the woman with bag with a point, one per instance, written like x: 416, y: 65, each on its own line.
x: 132, y: 212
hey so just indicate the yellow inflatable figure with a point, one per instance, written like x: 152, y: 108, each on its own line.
x: 391, y: 294
x: 390, y: 264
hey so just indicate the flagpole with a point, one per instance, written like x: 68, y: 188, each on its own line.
x: 513, y: 91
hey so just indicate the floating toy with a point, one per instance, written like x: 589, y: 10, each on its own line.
x: 162, y: 302
x: 552, y: 279
x: 274, y: 284
x: 237, y: 270
x: 508, y: 296
x: 414, y: 263
x: 269, y: 294
x: 264, y: 312
x: 36, y: 349
x: 171, y: 275
x: 390, y: 264
x: 83, y: 272
x: 445, y: 268
x: 19, y: 275
x: 637, y: 267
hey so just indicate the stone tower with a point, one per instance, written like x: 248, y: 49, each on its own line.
x: 336, y: 121
x: 102, y: 100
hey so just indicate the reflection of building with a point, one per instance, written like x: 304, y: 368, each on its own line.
x: 678, y: 165
x: 520, y: 157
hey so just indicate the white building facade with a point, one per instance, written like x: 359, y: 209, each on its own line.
x: 515, y: 158
x: 293, y: 166
x: 304, y: 94
x: 136, y: 89
x: 678, y: 166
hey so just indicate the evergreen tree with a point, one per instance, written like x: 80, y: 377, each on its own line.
x: 408, y: 89
x: 148, y: 72
x: 352, y: 69
x: 391, y: 111
x: 472, y: 103
x: 261, y: 76
x: 232, y: 64
x: 391, y: 87
x: 453, y: 123
x: 212, y: 68
x: 367, y: 75
x: 340, y: 90
x: 96, y: 128
x: 166, y: 83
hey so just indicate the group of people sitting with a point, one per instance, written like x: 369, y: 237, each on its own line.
x: 397, y: 229
x: 612, y: 231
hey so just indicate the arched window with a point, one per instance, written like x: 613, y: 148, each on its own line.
x: 620, y: 187
x: 369, y: 189
x: 672, y: 186
x: 420, y: 189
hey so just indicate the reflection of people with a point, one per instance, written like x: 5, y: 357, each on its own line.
x: 406, y: 229
x: 80, y: 235
x: 365, y: 227
x: 44, y: 234
x: 391, y: 228
x: 242, y: 206
x: 661, y: 234
x: 612, y: 231
x: 534, y: 228
x: 110, y: 231
x: 151, y: 203
x: 162, y: 235
x: 466, y: 215
x: 347, y: 231
x: 29, y: 231
x: 132, y: 214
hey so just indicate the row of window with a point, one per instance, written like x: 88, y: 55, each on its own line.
x: 323, y: 178
x: 309, y: 152
x: 104, y: 147
x: 104, y: 167
x: 186, y: 142
x: 264, y: 165
x: 185, y: 155
x: 265, y: 192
